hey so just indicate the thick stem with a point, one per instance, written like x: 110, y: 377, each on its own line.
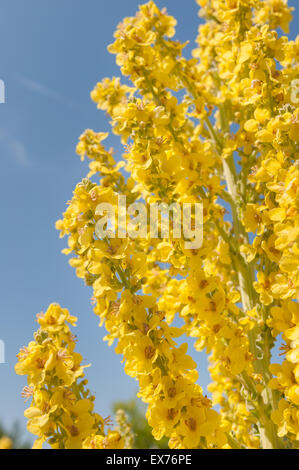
x: 268, y: 432
x: 246, y: 278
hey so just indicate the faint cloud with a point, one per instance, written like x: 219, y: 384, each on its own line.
x: 15, y: 149
x: 43, y: 90
x: 20, y: 154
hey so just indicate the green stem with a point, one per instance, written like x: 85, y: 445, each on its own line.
x: 233, y: 442
x: 246, y: 275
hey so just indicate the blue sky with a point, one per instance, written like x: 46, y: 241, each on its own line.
x: 52, y: 54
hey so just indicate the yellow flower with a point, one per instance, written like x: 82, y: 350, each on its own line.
x: 5, y: 443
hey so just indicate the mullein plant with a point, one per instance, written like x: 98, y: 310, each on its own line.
x: 220, y: 129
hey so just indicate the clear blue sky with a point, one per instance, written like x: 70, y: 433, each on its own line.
x: 52, y: 54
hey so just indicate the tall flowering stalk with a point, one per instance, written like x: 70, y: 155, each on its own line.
x: 218, y: 129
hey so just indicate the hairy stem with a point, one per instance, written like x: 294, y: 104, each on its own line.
x: 246, y: 276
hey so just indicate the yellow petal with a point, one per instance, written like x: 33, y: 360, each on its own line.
x: 246, y: 52
x: 277, y: 214
x: 251, y: 125
x: 261, y: 114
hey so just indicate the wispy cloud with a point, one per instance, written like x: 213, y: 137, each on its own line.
x: 18, y: 150
x: 14, y: 148
x: 43, y: 90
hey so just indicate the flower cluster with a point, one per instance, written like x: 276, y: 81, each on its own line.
x: 285, y: 320
x: 61, y: 411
